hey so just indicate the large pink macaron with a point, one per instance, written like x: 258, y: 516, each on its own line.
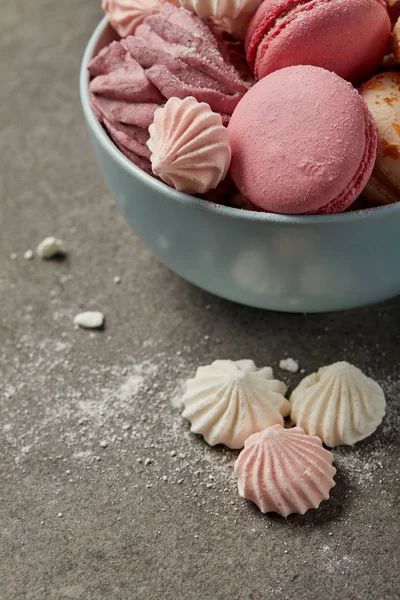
x: 303, y: 141
x: 349, y: 37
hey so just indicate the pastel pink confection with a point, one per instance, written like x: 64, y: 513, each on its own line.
x: 284, y: 470
x: 126, y: 15
x: 183, y: 58
x: 303, y: 141
x: 349, y: 37
x: 189, y: 145
x: 124, y: 100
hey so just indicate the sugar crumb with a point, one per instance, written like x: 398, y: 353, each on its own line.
x: 289, y: 364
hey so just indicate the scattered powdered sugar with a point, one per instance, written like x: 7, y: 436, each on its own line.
x: 353, y: 463
x: 127, y: 415
x: 176, y: 396
x: 105, y: 403
x: 364, y: 463
x: 332, y: 562
x: 131, y: 410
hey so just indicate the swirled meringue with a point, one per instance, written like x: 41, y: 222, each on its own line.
x: 220, y: 9
x: 189, y: 145
x: 126, y: 15
x: 227, y: 401
x: 284, y: 471
x: 124, y: 101
x: 339, y: 404
x: 182, y: 57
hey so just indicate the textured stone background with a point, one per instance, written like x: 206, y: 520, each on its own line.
x: 171, y: 527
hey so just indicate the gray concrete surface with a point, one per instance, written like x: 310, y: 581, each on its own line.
x: 82, y: 521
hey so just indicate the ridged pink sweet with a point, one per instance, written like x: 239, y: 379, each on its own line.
x: 126, y: 15
x: 189, y: 145
x: 182, y: 57
x: 124, y: 100
x: 285, y: 471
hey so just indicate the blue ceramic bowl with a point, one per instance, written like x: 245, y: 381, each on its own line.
x: 285, y: 263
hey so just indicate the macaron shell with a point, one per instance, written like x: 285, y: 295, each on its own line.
x: 362, y: 175
x: 349, y: 37
x: 302, y: 142
x: 382, y: 96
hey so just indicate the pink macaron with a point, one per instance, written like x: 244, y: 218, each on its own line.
x: 303, y: 141
x: 349, y: 37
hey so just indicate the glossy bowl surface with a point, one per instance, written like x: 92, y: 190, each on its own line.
x: 286, y: 263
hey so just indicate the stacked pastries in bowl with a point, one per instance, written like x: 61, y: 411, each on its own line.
x: 278, y: 106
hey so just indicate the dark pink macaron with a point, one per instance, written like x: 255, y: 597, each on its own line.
x: 303, y: 141
x: 349, y: 37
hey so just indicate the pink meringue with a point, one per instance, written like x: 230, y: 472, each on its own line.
x: 285, y: 471
x: 171, y: 54
x: 182, y: 57
x: 126, y: 15
x: 189, y: 145
x: 124, y: 100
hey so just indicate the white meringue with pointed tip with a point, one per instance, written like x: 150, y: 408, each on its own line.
x: 339, y: 404
x: 231, y: 15
x: 236, y: 27
x: 189, y: 145
x: 284, y: 471
x: 220, y: 9
x: 126, y: 15
x: 227, y: 401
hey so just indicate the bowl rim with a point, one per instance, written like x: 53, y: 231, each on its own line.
x: 185, y: 199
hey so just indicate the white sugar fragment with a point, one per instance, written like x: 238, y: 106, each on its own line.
x: 290, y: 365
x: 50, y: 247
x: 91, y: 319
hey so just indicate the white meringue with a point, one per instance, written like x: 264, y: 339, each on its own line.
x: 189, y: 145
x: 220, y: 9
x: 227, y: 401
x: 339, y: 404
x: 284, y: 471
x: 236, y: 27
